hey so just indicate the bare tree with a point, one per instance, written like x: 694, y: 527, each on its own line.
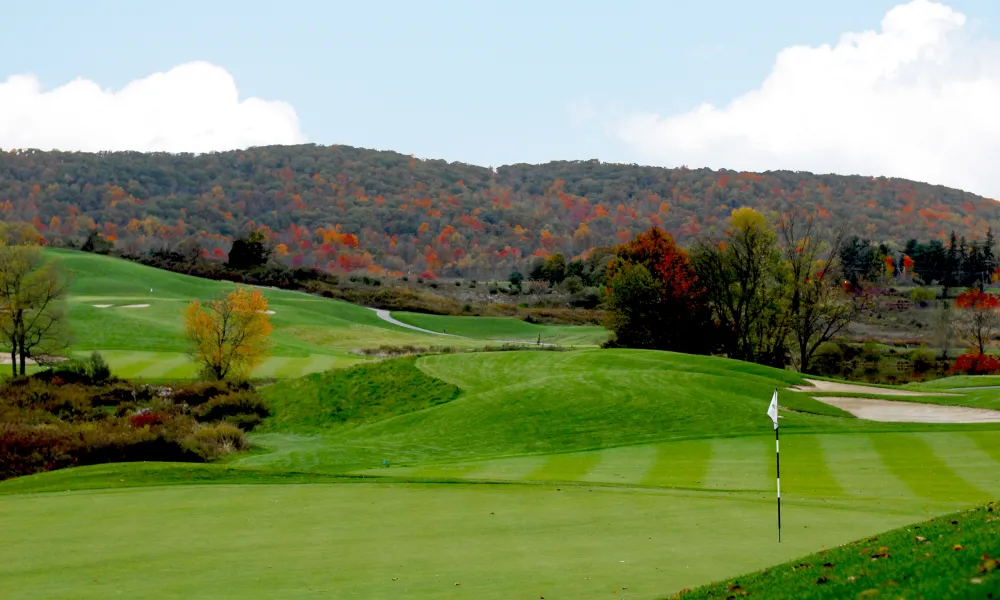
x: 32, y: 304
x: 818, y: 307
x: 978, y: 319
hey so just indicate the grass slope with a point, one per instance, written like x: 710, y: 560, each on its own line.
x: 501, y: 328
x: 362, y: 393
x: 311, y: 334
x: 954, y: 556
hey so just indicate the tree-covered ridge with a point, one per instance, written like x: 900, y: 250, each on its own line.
x: 346, y: 209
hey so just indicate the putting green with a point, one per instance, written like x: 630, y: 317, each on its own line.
x: 396, y: 541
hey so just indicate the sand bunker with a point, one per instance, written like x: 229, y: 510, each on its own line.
x: 266, y: 312
x: 911, y: 412
x: 850, y: 388
x: 103, y: 305
x: 135, y: 306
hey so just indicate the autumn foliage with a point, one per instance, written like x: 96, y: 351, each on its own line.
x: 979, y: 319
x: 975, y: 363
x: 344, y: 209
x: 230, y: 335
x: 655, y: 299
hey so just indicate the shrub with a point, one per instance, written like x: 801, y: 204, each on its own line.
x: 98, y: 369
x: 922, y: 297
x: 974, y: 363
x: 148, y: 418
x: 923, y: 360
x: 242, y: 407
x: 828, y: 359
x: 196, y: 394
x: 218, y: 439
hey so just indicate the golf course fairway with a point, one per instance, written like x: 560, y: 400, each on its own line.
x: 563, y: 474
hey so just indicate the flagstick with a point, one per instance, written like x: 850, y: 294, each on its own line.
x: 777, y: 464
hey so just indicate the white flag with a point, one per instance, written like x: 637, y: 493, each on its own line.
x: 772, y: 410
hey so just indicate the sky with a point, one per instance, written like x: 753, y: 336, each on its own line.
x: 896, y: 88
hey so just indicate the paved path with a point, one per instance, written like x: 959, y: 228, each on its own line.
x: 387, y: 317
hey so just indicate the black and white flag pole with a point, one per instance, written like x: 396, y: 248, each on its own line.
x: 772, y: 411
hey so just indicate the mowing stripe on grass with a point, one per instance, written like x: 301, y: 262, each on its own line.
x: 449, y: 471
x: 741, y: 464
x: 680, y: 464
x: 628, y: 464
x: 805, y: 469
x: 855, y: 466
x: 967, y: 460
x: 913, y: 461
x: 566, y: 467
x: 509, y: 469
x: 164, y: 365
x: 987, y: 441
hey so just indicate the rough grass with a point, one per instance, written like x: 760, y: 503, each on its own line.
x: 953, y: 556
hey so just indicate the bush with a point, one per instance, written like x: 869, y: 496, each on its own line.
x: 922, y: 297
x: 828, y: 360
x: 98, y: 369
x: 196, y: 394
x: 217, y: 439
x: 243, y: 407
x: 973, y: 363
x: 923, y: 360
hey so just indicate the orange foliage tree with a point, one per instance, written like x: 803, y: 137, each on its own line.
x: 229, y: 335
x: 654, y: 297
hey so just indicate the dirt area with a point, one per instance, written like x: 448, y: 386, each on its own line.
x: 911, y: 412
x: 850, y: 388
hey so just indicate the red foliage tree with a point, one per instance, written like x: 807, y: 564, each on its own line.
x: 975, y: 363
x: 660, y: 305
x: 979, y: 318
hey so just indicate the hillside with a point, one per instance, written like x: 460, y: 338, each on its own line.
x: 350, y: 209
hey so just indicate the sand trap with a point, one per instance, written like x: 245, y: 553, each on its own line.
x: 911, y: 412
x: 135, y: 306
x: 850, y: 388
x: 266, y: 312
x: 103, y: 305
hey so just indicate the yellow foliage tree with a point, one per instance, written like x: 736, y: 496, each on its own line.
x: 230, y: 335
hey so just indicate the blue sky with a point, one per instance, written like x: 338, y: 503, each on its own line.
x: 483, y: 82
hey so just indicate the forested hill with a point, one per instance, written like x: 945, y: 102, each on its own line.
x: 346, y: 208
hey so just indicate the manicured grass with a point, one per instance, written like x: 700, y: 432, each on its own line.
x: 952, y: 556
x: 514, y: 474
x: 396, y: 541
x: 499, y: 328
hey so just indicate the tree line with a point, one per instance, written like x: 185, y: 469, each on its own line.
x: 345, y: 210
x: 767, y: 289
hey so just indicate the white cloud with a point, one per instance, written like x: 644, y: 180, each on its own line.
x: 194, y: 107
x: 918, y: 99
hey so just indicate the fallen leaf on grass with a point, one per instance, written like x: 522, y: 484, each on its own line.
x: 822, y: 579
x: 958, y: 547
x: 921, y: 539
x: 828, y: 565
x: 988, y: 566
